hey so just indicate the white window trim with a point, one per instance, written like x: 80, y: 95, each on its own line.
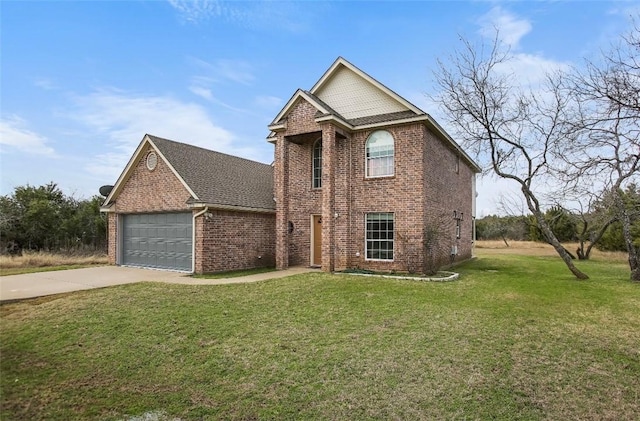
x: 365, y: 238
x: 313, y: 165
x: 366, y: 159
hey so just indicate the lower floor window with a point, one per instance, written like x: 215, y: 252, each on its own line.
x: 379, y: 234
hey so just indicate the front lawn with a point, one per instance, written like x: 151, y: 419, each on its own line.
x: 514, y: 338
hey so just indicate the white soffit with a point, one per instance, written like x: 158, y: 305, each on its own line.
x: 353, y: 96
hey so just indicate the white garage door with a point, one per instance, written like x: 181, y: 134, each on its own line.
x: 158, y: 240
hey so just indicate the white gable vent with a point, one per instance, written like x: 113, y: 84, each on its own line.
x: 152, y: 161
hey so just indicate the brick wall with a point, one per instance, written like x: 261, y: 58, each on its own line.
x: 422, y: 194
x: 448, y: 190
x: 152, y: 191
x: 296, y: 199
x: 401, y: 194
x: 229, y: 240
x: 112, y: 227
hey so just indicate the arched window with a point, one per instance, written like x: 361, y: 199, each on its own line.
x: 317, y: 164
x: 380, y: 151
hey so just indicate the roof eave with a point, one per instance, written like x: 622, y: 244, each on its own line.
x: 124, y: 175
x: 108, y: 208
x: 173, y: 170
x: 277, y: 127
x: 200, y: 205
x: 335, y: 119
x: 297, y: 95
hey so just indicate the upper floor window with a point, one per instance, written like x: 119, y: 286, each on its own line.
x: 317, y: 164
x: 380, y: 152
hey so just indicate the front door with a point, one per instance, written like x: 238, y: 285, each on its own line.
x: 316, y: 241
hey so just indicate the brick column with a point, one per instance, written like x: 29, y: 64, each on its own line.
x: 281, y: 192
x: 112, y: 244
x: 329, y: 159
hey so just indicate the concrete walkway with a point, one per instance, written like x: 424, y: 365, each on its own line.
x: 31, y: 285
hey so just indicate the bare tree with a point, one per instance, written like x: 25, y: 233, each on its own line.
x: 515, y: 131
x: 590, y: 222
x: 606, y: 95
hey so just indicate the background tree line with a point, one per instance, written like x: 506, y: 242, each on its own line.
x: 44, y: 218
x: 599, y: 227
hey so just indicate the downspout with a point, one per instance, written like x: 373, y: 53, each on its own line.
x: 474, y: 195
x: 193, y: 241
x: 349, y: 206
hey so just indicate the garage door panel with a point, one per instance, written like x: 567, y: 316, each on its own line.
x: 158, y: 240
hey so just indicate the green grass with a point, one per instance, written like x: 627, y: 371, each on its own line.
x: 515, y: 338
x: 234, y: 273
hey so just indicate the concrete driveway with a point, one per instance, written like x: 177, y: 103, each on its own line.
x: 30, y: 285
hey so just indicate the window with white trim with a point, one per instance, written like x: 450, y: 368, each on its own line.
x: 316, y: 171
x: 379, y: 236
x: 380, y: 152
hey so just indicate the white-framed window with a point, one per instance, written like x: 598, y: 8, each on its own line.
x: 316, y: 170
x: 379, y: 235
x: 379, y: 154
x: 458, y: 216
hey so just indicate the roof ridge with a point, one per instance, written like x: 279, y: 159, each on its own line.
x: 153, y: 137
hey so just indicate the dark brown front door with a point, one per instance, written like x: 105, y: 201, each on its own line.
x: 316, y: 241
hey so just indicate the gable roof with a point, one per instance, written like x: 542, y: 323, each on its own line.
x: 349, y: 96
x: 354, y: 100
x: 355, y: 94
x: 212, y: 178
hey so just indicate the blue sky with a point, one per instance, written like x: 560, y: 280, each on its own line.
x: 83, y: 81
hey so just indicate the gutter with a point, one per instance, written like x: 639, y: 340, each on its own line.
x: 229, y: 207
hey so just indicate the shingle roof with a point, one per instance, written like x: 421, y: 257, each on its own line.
x: 220, y: 179
x: 381, y: 118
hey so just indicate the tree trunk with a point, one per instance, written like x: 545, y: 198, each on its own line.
x: 635, y: 273
x: 562, y: 252
x: 580, y: 251
x: 634, y: 257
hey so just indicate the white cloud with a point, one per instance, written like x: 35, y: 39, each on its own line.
x: 15, y: 134
x: 45, y: 83
x: 265, y: 15
x: 235, y: 70
x: 238, y: 71
x: 201, y: 92
x: 531, y: 69
x: 119, y: 120
x: 510, y: 28
x: 269, y: 102
x: 197, y: 10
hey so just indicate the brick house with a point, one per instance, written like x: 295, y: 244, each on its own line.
x: 365, y: 179
x: 181, y: 207
x: 362, y: 178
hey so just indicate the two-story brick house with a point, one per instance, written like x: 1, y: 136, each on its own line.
x: 363, y: 178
